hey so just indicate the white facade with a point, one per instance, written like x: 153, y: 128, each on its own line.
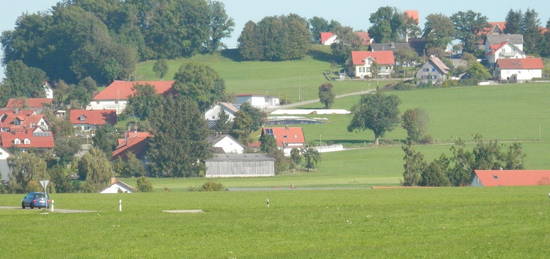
x: 258, y: 101
x: 4, y: 168
x: 213, y: 114
x: 118, y: 105
x: 363, y: 71
x: 518, y: 74
x: 507, y: 51
x: 48, y: 92
x: 117, y: 188
x: 229, y: 145
x: 333, y: 39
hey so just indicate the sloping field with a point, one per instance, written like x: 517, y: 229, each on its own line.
x: 448, y: 222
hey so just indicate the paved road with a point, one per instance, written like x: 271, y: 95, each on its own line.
x: 302, y: 103
x: 56, y: 210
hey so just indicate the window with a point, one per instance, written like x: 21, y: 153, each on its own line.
x: 17, y: 141
x: 27, y: 141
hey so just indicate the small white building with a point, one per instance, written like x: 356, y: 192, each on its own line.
x: 118, y: 187
x: 258, y: 101
x: 504, y: 50
x: 48, y: 92
x: 519, y: 70
x: 362, y: 62
x: 226, y: 143
x: 328, y: 38
x: 4, y: 167
x: 213, y: 114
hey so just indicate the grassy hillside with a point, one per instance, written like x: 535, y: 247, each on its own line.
x: 292, y: 80
x: 447, y: 222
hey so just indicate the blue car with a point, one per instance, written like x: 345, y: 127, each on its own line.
x: 35, y: 200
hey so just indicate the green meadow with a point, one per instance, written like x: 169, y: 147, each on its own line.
x: 438, y: 222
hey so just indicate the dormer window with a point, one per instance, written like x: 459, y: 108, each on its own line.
x: 27, y: 141
x: 82, y: 118
x: 16, y: 122
x: 17, y: 141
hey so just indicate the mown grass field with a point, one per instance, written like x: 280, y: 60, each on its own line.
x: 296, y: 80
x: 442, y: 223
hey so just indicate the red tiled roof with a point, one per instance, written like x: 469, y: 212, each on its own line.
x: 27, y: 119
x: 286, y: 135
x: 364, y: 36
x: 21, y: 103
x: 7, y: 140
x: 523, y: 63
x: 513, y: 177
x: 325, y: 36
x: 133, y: 141
x: 123, y: 90
x: 543, y: 30
x: 95, y: 117
x: 501, y: 26
x: 384, y: 57
x: 413, y: 14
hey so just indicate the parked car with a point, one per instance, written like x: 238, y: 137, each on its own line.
x: 35, y: 199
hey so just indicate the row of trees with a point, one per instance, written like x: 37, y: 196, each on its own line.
x: 457, y: 169
x: 104, y: 39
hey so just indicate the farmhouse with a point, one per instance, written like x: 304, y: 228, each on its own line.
x: 117, y: 186
x: 434, y: 71
x: 116, y: 95
x: 240, y: 165
x: 504, y: 50
x: 213, y: 114
x: 489, y: 178
x: 4, y: 168
x: 362, y: 63
x: 258, y: 101
x: 133, y: 141
x: 286, y: 138
x: 226, y: 143
x: 495, y: 39
x: 519, y: 70
x: 87, y: 122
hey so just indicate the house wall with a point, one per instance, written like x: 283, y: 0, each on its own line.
x: 4, y: 168
x: 115, y: 188
x: 214, y: 113
x: 118, y: 105
x: 229, y: 146
x: 522, y: 74
x: 260, y: 102
x: 507, y: 51
x: 363, y: 71
x: 476, y: 182
x: 331, y: 40
x: 429, y: 73
x: 86, y: 128
x: 224, y: 169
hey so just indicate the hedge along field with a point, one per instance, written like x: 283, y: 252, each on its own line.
x: 286, y: 79
x: 438, y: 222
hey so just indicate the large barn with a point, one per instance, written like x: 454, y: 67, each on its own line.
x: 240, y: 165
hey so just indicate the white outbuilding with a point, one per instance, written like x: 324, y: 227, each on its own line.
x: 118, y: 187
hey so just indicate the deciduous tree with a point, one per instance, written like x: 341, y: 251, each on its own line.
x: 200, y: 83
x: 326, y: 96
x: 438, y: 32
x: 27, y: 169
x: 415, y: 122
x: 468, y: 26
x: 95, y: 169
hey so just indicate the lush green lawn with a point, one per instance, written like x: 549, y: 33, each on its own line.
x: 449, y: 222
x: 292, y: 80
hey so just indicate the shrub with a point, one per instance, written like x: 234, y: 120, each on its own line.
x: 404, y: 86
x: 450, y: 83
x: 209, y: 187
x: 144, y: 185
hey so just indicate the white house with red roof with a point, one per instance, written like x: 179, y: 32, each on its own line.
x: 493, y: 178
x: 13, y: 120
x: 520, y: 70
x: 504, y: 50
x: 261, y: 102
x: 362, y: 62
x: 287, y: 138
x: 88, y: 121
x: 27, y: 139
x: 116, y: 95
x: 329, y: 38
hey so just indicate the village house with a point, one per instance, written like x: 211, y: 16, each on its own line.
x: 519, y: 70
x: 491, y: 178
x: 212, y: 115
x: 287, y: 138
x: 116, y: 95
x: 225, y: 144
x: 133, y: 141
x: 4, y: 167
x: 88, y: 121
x: 24, y: 129
x: 13, y: 120
x: 261, y: 102
x: 434, y: 71
x: 240, y: 165
x: 362, y: 61
x: 494, y: 28
x: 504, y: 50
x: 493, y: 40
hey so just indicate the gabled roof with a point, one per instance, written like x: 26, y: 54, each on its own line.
x: 123, y: 90
x: 498, y: 27
x: 493, y: 39
x: 230, y: 107
x: 364, y: 36
x: 513, y: 177
x: 95, y: 117
x: 21, y: 103
x: 286, y: 135
x: 26, y: 118
x: 413, y: 14
x: 522, y: 63
x: 380, y: 57
x: 133, y: 141
x: 43, y: 141
x: 439, y: 64
x: 325, y: 36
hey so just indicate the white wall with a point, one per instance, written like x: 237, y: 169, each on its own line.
x: 507, y: 51
x: 214, y: 113
x: 364, y: 71
x: 522, y: 74
x: 229, y: 146
x: 115, y: 188
x: 259, y: 101
x: 331, y: 40
x: 119, y: 106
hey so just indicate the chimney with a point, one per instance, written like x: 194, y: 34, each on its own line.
x: 113, y: 180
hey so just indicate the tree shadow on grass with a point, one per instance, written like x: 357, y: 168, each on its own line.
x: 360, y: 142
x: 232, y: 54
x: 321, y: 56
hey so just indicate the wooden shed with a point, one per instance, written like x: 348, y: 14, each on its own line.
x: 240, y: 165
